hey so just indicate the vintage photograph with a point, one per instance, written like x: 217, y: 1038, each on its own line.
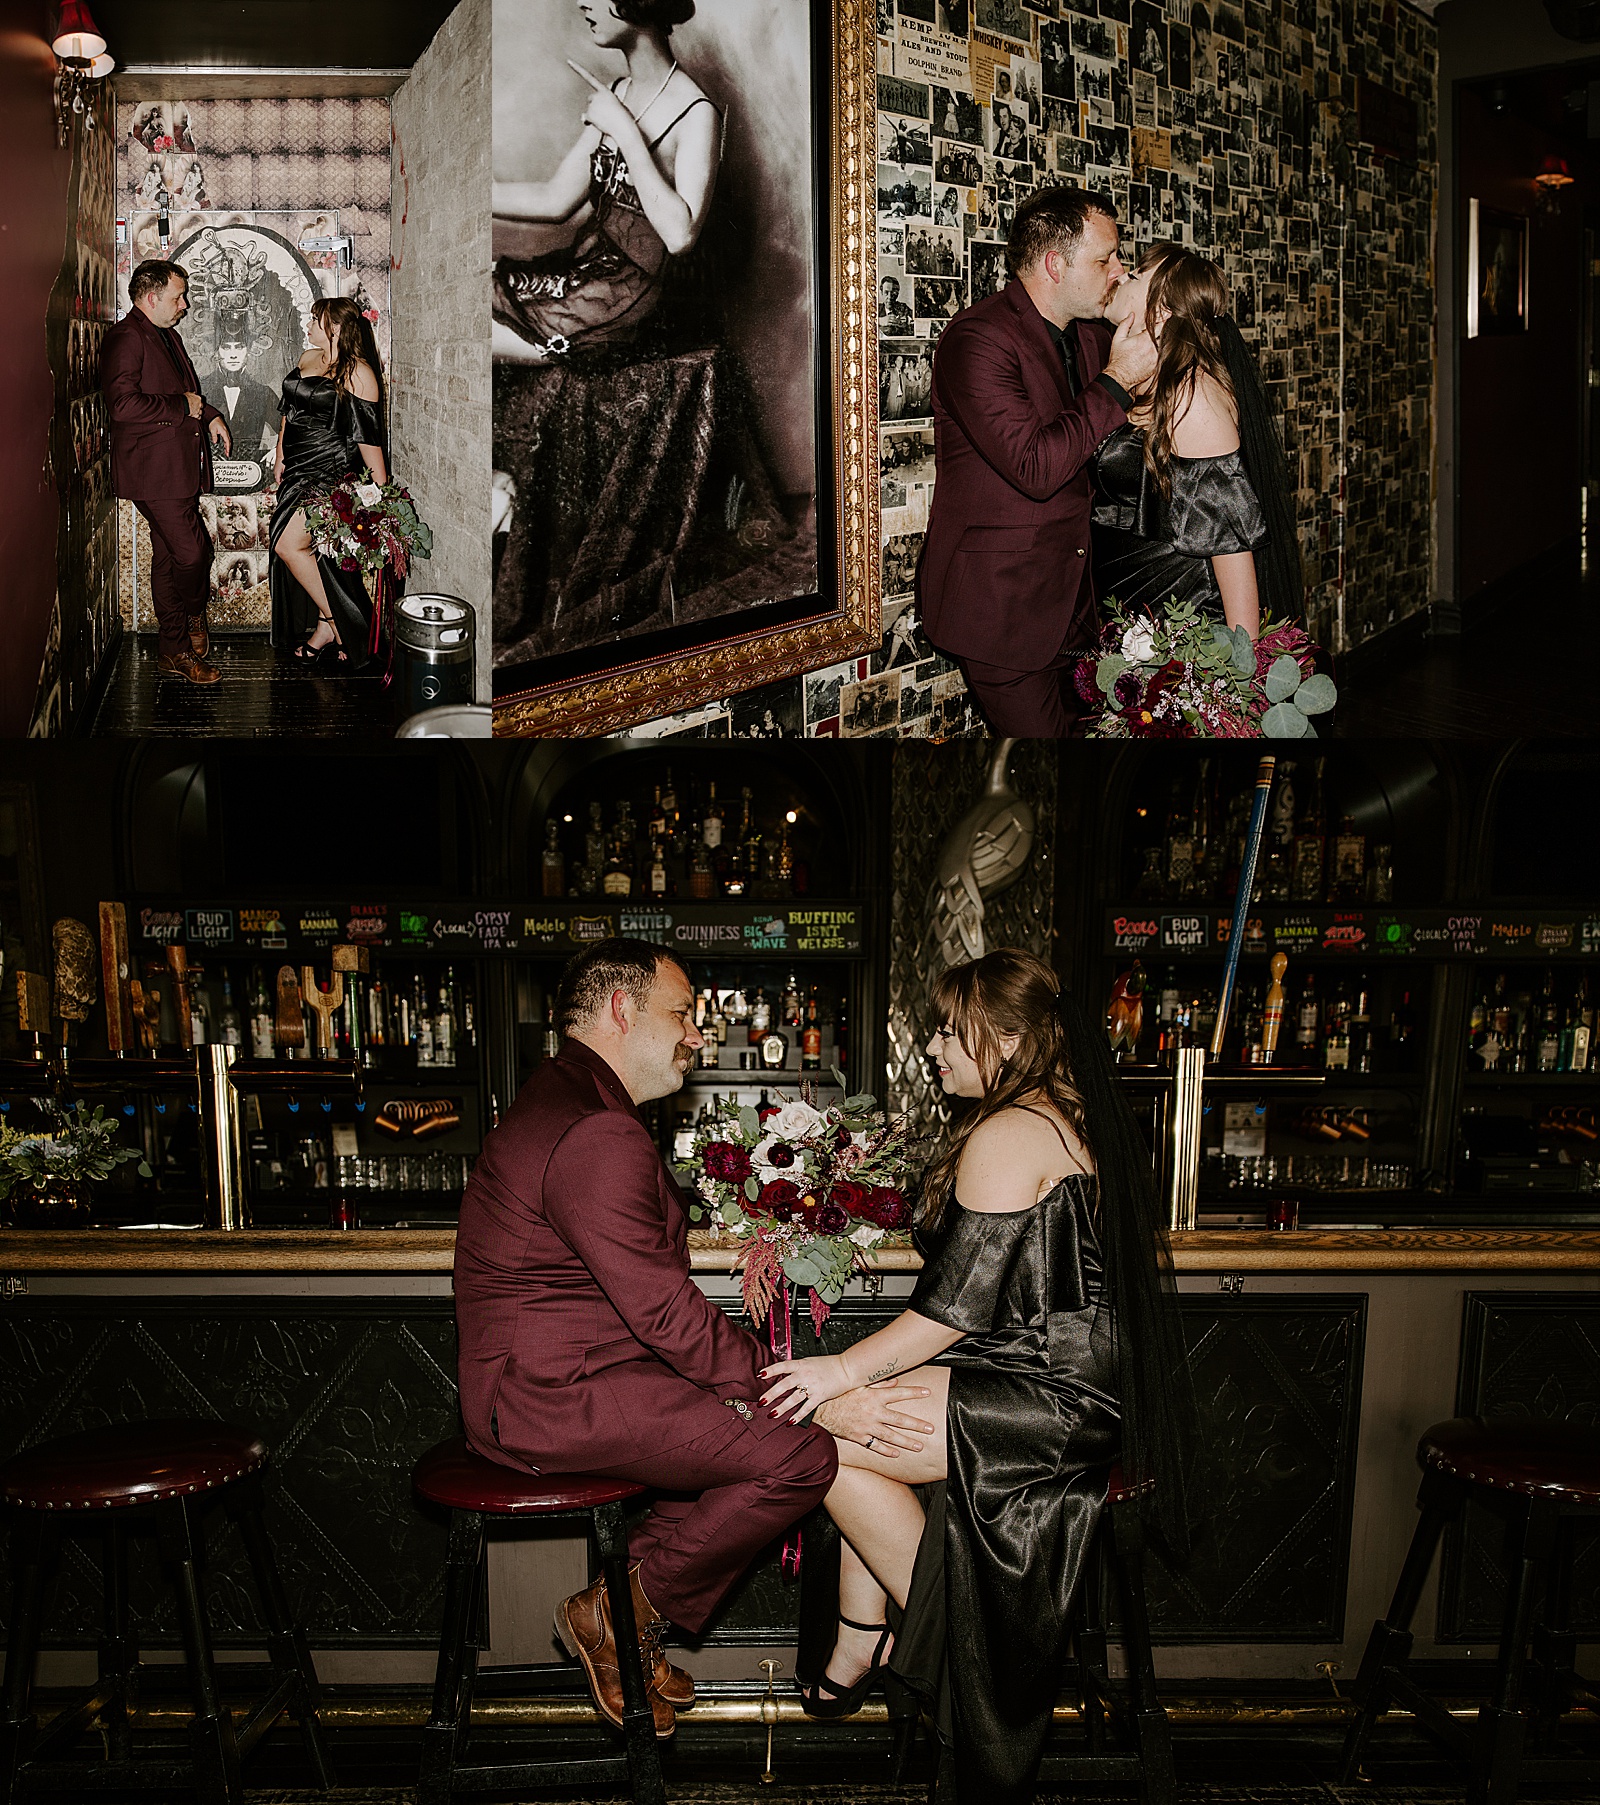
x: 1498, y: 248
x: 660, y: 370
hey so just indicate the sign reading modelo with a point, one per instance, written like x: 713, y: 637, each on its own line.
x: 1366, y: 934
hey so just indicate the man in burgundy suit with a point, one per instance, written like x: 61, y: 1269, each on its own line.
x: 161, y: 458
x: 586, y: 1347
x: 1023, y: 391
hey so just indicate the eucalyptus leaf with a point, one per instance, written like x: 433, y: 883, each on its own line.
x: 866, y: 1100
x: 1244, y: 652
x: 799, y: 1270
x: 1316, y: 695
x: 749, y: 1122
x: 1283, y: 721
x: 732, y: 1215
x: 1283, y: 679
x: 752, y: 1190
x: 1108, y: 671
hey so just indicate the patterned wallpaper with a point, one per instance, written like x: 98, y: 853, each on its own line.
x: 255, y: 189
x: 1230, y: 125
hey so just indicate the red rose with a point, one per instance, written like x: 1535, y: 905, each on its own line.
x: 780, y: 1154
x: 853, y: 1198
x: 832, y: 1220
x: 780, y: 1198
x: 348, y: 564
x: 841, y: 1138
x: 766, y: 1110
x: 726, y: 1162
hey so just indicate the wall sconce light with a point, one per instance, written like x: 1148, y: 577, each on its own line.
x: 1555, y: 173
x: 82, y: 58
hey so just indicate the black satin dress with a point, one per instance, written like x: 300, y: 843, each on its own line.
x: 1033, y: 1425
x: 323, y: 431
x: 1147, y: 550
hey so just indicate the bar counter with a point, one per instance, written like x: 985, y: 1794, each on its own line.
x: 432, y: 1250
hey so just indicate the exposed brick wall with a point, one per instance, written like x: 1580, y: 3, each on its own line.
x: 439, y: 366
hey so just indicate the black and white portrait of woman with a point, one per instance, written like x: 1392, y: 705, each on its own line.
x: 654, y: 324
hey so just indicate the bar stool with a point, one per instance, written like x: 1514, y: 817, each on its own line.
x: 1539, y: 1477
x: 472, y: 1489
x: 154, y: 1478
x: 1117, y: 1554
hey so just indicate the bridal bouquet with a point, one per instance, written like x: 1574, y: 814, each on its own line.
x: 1184, y: 675
x: 368, y: 526
x: 808, y: 1191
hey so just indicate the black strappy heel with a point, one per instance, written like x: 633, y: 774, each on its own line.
x: 846, y: 1701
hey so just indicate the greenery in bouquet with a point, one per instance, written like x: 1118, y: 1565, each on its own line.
x: 809, y: 1192
x: 1183, y: 674
x: 79, y: 1147
x: 365, y: 526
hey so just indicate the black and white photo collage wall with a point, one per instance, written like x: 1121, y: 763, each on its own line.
x: 1228, y: 127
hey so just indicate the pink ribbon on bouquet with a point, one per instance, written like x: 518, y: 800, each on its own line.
x: 789, y: 1560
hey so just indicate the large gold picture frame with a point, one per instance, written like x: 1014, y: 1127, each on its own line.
x: 846, y: 619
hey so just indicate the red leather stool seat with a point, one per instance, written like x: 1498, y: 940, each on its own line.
x: 453, y: 1476
x: 1558, y: 1461
x: 1120, y: 1488
x: 130, y: 1464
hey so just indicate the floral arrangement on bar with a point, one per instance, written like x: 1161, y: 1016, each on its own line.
x: 1184, y: 675
x: 809, y: 1192
x: 45, y: 1178
x: 369, y: 527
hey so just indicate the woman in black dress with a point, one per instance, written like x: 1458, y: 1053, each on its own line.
x: 1046, y: 1302
x: 1191, y: 497
x: 332, y: 427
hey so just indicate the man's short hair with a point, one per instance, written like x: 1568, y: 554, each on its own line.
x: 1052, y: 219
x: 152, y: 276
x: 620, y: 963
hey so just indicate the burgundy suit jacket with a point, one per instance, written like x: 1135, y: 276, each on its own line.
x: 159, y: 450
x: 1004, y: 571
x: 582, y: 1339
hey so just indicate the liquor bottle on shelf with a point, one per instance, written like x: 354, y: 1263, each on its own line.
x: 711, y: 823
x: 841, y: 1035
x: 1402, y: 1022
x: 1361, y: 1028
x: 1306, y: 1019
x: 618, y: 879
x: 760, y: 1019
x: 1349, y: 863
x: 444, y: 1021
x: 1168, y: 997
x: 656, y: 823
x: 229, y: 1028
x: 656, y: 883
x: 1380, y: 875
x: 1178, y: 853
x: 377, y: 1014
x: 199, y: 1006
x: 469, y: 1018
x: 702, y: 873
x: 1310, y: 843
x: 421, y: 1024
x: 774, y: 1049
x: 552, y: 865
x: 719, y: 1022
x: 1148, y: 886
x: 262, y: 1043
x: 790, y: 1006
x: 1336, y: 1037
x: 811, y: 1037
x: 1577, y: 1034
x: 1547, y: 1052
x: 594, y: 853
x: 669, y: 802
x: 552, y: 1038
x: 1527, y: 1033
x: 710, y: 1054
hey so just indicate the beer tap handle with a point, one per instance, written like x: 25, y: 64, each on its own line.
x: 291, y: 1026
x: 116, y: 980
x: 178, y: 965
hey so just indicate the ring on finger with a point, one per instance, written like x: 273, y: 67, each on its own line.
x: 871, y: 1439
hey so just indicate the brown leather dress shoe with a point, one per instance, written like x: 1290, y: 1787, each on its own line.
x: 672, y: 1683
x: 583, y: 1624
x: 185, y: 664
x: 199, y: 636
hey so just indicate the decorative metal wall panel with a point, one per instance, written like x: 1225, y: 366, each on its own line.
x: 346, y: 1394
x: 934, y: 786
x: 1533, y: 1355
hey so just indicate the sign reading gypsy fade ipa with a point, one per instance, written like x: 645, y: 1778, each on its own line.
x: 1362, y: 934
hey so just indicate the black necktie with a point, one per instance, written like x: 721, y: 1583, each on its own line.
x: 1069, y: 357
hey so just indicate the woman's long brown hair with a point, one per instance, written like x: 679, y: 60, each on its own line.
x: 1004, y: 992
x: 351, y: 331
x: 1196, y: 297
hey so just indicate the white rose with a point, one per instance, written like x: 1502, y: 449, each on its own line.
x: 794, y: 1122
x: 1138, y: 643
x: 866, y: 1235
x: 369, y: 494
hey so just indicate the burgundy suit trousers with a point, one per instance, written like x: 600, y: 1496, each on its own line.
x: 180, y: 568
x: 1035, y: 705
x: 730, y: 1491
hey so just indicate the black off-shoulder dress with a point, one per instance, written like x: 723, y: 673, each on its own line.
x: 1147, y: 550
x: 324, y: 431
x: 1034, y: 1423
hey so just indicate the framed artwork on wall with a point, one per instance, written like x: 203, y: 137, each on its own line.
x: 685, y: 376
x: 1497, y: 271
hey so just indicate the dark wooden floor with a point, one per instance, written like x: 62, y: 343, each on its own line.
x: 261, y: 696
x: 1529, y: 667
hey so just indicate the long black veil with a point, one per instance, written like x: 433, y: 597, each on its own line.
x: 1278, y: 571
x: 1152, y: 1362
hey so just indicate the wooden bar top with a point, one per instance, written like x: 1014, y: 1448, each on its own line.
x: 431, y: 1250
